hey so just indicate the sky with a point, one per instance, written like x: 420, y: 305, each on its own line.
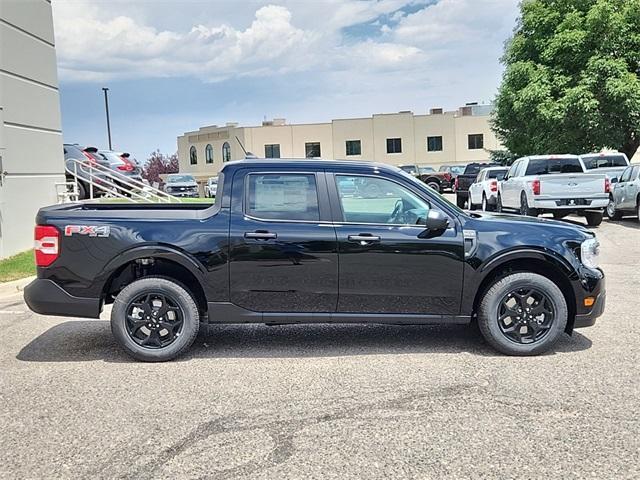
x: 174, y: 66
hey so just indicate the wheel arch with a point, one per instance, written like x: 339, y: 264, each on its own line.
x: 155, y: 260
x: 555, y: 269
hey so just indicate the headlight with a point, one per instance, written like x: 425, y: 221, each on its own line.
x: 589, y: 252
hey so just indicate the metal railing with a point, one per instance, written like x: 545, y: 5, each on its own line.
x: 116, y: 185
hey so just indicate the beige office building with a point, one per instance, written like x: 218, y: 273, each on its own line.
x: 31, y: 158
x: 437, y: 138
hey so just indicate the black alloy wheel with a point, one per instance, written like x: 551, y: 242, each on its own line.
x: 154, y: 320
x: 525, y: 315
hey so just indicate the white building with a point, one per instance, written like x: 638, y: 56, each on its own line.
x: 31, y: 158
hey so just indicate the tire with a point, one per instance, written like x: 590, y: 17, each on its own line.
x: 434, y: 185
x: 612, y: 212
x: 593, y: 218
x: 499, y: 208
x: 460, y: 201
x: 177, y: 298
x: 524, y: 207
x: 82, y: 191
x: 638, y: 209
x: 492, y: 304
x: 485, y: 205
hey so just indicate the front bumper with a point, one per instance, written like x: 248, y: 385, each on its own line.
x: 184, y: 194
x: 592, y: 285
x: 48, y: 298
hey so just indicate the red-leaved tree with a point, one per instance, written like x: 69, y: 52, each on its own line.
x: 159, y: 163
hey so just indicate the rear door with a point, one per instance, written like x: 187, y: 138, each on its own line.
x: 510, y: 190
x: 283, y: 249
x: 385, y: 265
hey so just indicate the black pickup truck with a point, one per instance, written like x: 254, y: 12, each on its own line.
x: 464, y: 180
x: 295, y: 242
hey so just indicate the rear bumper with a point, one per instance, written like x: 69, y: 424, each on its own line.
x: 566, y: 204
x: 48, y: 298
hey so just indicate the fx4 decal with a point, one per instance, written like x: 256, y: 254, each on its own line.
x: 89, y: 230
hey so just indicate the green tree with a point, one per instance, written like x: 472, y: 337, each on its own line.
x: 571, y: 83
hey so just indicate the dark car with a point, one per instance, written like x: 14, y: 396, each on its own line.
x: 289, y: 242
x: 465, y: 179
x: 181, y: 185
x: 127, y: 173
x: 83, y: 163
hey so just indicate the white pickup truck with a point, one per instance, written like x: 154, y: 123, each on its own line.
x: 554, y: 184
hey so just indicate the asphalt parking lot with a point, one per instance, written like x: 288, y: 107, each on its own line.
x: 327, y: 401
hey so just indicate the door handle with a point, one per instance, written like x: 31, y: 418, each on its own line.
x: 363, y: 238
x: 260, y: 235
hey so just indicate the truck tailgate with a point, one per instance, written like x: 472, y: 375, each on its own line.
x: 566, y: 185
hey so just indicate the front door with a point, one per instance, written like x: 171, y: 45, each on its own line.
x: 283, y: 251
x: 385, y: 265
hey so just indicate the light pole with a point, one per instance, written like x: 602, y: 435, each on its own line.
x: 106, y: 107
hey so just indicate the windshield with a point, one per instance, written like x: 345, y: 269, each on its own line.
x: 424, y: 169
x: 546, y: 166
x: 458, y: 170
x: 213, y: 181
x: 591, y: 162
x: 180, y: 178
x: 407, y: 168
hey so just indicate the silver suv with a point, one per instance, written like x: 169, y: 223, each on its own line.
x: 625, y: 197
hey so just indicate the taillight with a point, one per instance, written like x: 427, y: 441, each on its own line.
x: 607, y: 185
x: 46, y: 245
x: 126, y: 167
x: 535, y: 186
x: 494, y: 185
x: 455, y: 184
x: 89, y: 157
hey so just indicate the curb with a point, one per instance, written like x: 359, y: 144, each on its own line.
x: 15, y: 286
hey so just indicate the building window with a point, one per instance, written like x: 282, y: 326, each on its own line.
x: 354, y: 147
x: 193, y: 155
x: 476, y: 141
x: 208, y: 153
x: 394, y: 145
x: 272, y: 150
x: 226, y: 152
x: 312, y: 149
x: 434, y: 144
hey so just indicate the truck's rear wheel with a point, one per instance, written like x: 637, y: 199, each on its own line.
x: 460, y: 201
x: 524, y: 207
x: 522, y: 314
x: 593, y: 218
x: 434, y: 185
x: 154, y: 319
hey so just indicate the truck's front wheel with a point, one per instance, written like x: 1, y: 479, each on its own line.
x: 523, y: 314
x: 154, y: 319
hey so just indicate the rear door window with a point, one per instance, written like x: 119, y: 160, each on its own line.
x: 286, y: 196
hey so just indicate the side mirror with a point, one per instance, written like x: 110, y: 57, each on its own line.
x: 435, y: 224
x: 614, y: 180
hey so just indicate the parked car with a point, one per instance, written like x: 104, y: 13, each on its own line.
x: 465, y: 179
x: 484, y: 191
x: 123, y: 165
x: 285, y: 244
x: 78, y: 161
x: 415, y: 170
x: 453, y: 170
x: 181, y: 185
x: 211, y: 188
x: 610, y: 163
x: 625, y: 195
x: 554, y: 184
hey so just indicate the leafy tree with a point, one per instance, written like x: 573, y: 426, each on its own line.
x: 571, y: 83
x: 159, y: 163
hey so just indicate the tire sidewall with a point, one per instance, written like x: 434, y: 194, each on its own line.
x: 488, y: 313
x: 179, y: 295
x: 434, y: 186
